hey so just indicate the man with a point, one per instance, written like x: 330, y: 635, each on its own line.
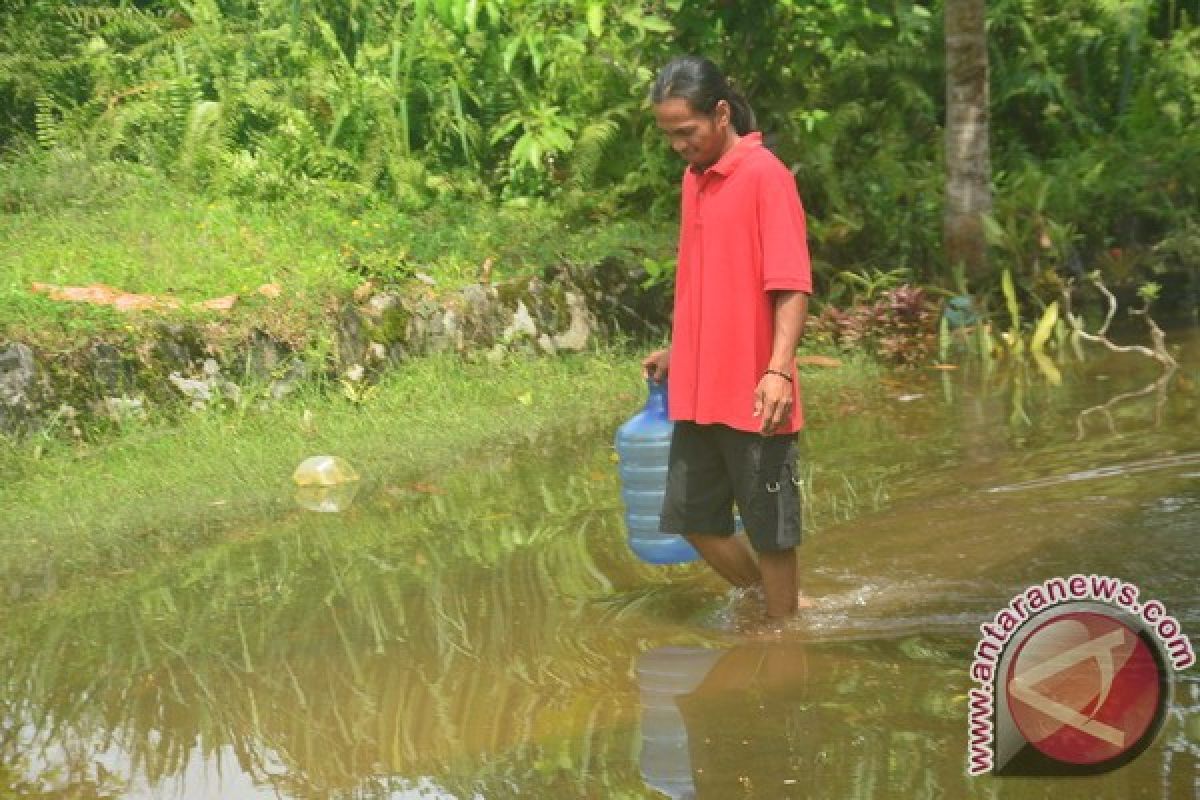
x: 741, y: 299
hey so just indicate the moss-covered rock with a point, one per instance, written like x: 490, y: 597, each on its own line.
x: 176, y: 364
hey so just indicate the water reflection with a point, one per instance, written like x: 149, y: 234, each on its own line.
x: 720, y: 723
x: 327, y: 499
x: 496, y: 639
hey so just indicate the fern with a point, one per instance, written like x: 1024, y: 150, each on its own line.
x: 201, y: 146
x: 590, y: 147
x: 49, y: 122
x: 92, y: 19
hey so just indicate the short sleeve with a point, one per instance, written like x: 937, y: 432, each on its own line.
x: 783, y: 233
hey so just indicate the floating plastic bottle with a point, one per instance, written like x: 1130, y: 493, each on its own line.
x: 324, y: 471
x: 325, y: 483
x: 643, y: 446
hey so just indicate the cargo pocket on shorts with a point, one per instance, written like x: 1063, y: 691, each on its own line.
x: 789, y: 503
x: 775, y: 491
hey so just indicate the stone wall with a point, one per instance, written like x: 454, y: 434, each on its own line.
x: 179, y: 366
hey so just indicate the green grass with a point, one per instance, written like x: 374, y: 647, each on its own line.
x: 159, y: 490
x: 73, y: 223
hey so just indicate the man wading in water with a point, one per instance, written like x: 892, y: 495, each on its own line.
x: 741, y: 299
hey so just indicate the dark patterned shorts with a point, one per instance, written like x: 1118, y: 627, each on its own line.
x: 714, y: 466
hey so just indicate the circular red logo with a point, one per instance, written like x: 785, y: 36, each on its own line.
x: 1084, y: 688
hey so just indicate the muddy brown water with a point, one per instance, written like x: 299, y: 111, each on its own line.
x: 490, y: 636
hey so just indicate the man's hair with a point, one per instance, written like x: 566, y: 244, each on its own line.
x: 698, y: 81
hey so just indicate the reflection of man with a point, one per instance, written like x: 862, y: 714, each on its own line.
x: 723, y: 723
x: 664, y: 674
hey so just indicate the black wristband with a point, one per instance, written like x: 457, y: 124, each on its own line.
x: 783, y: 375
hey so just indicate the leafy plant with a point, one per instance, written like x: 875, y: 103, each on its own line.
x: 899, y: 327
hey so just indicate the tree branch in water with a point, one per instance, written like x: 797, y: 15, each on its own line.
x: 1159, y: 353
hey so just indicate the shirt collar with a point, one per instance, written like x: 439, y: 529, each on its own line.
x: 727, y: 163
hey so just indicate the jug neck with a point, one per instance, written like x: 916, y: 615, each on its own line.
x: 657, y: 401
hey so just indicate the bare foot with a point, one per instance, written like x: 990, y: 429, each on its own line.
x: 803, y: 601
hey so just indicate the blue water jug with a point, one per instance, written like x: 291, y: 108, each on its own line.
x: 665, y: 674
x: 643, y: 445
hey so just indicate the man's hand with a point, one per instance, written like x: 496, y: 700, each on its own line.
x: 655, y: 365
x: 773, y: 402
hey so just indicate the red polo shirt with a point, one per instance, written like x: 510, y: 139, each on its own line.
x: 742, y: 235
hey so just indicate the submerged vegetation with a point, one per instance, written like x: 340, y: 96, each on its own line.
x: 484, y: 626
x: 81, y: 508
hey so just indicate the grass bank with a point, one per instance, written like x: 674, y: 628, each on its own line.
x: 75, y: 512
x: 159, y: 489
x: 67, y: 222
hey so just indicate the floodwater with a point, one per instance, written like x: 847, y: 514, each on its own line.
x: 489, y: 635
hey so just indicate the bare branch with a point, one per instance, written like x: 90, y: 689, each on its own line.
x: 1159, y: 353
x: 1159, y: 388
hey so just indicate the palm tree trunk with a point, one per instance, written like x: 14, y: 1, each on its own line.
x: 968, y: 169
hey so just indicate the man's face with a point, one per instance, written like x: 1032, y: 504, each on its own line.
x: 700, y: 138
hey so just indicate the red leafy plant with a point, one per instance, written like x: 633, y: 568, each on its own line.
x: 900, y: 327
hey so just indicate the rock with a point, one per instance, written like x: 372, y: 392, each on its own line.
x: 18, y: 373
x: 363, y: 291
x: 297, y: 372
x: 122, y: 408
x: 198, y: 391
x: 351, y: 335
x: 397, y: 354
x: 481, y: 317
x: 202, y: 391
x: 451, y: 333
x: 380, y: 304
x: 262, y: 356
x: 18, y: 387
x: 522, y: 324
x: 179, y: 347
x: 576, y: 336
x: 113, y: 373
x: 614, y: 293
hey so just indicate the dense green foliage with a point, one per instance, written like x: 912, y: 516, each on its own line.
x: 402, y: 99
x: 408, y: 103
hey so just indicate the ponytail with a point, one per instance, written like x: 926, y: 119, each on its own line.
x: 698, y: 81
x: 742, y: 115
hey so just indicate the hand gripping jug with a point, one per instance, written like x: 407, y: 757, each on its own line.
x: 643, y: 444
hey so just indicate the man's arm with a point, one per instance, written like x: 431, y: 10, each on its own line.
x: 791, y: 312
x: 773, y: 396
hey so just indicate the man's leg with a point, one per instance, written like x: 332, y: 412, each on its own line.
x: 768, y: 498
x: 730, y: 556
x: 779, y: 582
